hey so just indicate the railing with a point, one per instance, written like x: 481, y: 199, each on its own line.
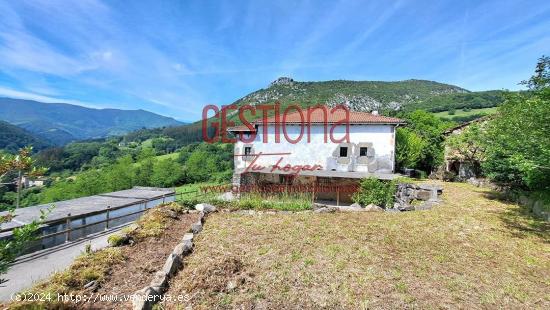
x: 68, y: 228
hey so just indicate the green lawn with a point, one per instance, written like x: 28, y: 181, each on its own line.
x: 462, y: 113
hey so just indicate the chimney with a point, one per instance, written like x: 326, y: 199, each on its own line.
x: 375, y: 112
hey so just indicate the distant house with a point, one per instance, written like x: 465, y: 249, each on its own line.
x: 27, y: 182
x: 455, y: 163
x: 369, y: 151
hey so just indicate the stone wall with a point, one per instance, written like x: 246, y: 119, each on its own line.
x: 410, y: 196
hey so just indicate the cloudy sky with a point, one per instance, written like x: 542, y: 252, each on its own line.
x: 173, y: 57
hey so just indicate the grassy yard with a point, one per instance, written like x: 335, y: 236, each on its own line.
x: 473, y: 251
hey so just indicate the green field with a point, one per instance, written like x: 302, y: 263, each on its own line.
x: 462, y: 113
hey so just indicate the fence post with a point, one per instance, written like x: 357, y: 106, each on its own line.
x: 163, y: 196
x: 68, y: 228
x: 107, y: 217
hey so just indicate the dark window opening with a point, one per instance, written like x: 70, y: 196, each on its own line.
x: 363, y: 151
x: 343, y: 151
x: 247, y: 150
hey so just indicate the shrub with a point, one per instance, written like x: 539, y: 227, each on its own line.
x: 375, y: 191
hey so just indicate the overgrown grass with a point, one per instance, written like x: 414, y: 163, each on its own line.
x: 281, y: 201
x: 472, y: 251
x: 88, y: 267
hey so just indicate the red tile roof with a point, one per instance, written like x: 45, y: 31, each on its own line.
x: 317, y: 117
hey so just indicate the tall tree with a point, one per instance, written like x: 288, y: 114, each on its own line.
x: 541, y: 79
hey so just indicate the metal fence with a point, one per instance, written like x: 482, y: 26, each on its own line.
x: 72, y: 228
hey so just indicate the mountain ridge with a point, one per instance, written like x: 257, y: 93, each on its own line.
x: 62, y: 123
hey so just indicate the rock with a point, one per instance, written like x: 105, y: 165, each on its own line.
x: 326, y: 210
x: 171, y: 265
x: 227, y: 196
x: 392, y: 210
x: 424, y: 195
x: 373, y: 208
x: 92, y: 286
x: 188, y: 237
x: 356, y: 205
x: 206, y: 208
x: 159, y: 282
x: 142, y: 301
x: 316, y: 206
x: 178, y: 249
x: 351, y: 209
x: 171, y: 214
x: 196, y: 227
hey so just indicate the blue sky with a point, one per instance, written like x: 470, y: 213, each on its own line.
x: 174, y: 57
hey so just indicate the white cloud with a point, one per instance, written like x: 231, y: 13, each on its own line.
x: 11, y: 93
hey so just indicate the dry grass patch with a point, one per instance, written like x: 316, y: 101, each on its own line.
x: 473, y: 251
x: 120, y: 270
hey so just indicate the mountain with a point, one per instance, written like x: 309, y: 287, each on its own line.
x: 12, y: 138
x: 358, y: 95
x: 62, y: 123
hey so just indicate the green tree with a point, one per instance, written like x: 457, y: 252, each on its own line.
x: 541, y: 79
x: 430, y: 129
x: 518, y: 142
x: 409, y: 147
x: 144, y: 172
x: 167, y: 173
x: 468, y: 146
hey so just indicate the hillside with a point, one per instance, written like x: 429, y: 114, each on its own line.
x: 12, y: 138
x: 62, y: 123
x: 358, y: 95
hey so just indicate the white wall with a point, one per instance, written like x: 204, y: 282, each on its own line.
x: 318, y: 152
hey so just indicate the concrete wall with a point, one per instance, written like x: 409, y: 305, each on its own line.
x: 380, y: 139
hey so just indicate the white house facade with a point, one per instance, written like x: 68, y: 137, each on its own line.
x: 315, y: 149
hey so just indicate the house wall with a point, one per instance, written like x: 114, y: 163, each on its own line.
x: 380, y: 139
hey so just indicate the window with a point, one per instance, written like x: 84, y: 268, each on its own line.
x: 344, y: 151
x: 247, y: 150
x: 363, y: 151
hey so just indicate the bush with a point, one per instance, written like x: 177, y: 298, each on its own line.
x: 375, y: 191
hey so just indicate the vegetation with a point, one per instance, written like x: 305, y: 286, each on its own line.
x: 459, y: 101
x: 13, y: 138
x: 62, y: 123
x: 375, y: 191
x: 518, y: 148
x: 465, y: 115
x: 472, y: 251
x: 11, y: 248
x: 469, y: 146
x: 420, y: 144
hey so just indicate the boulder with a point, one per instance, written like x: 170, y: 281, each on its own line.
x: 171, y: 265
x: 373, y: 208
x: 316, y: 206
x: 424, y: 194
x: 356, y: 205
x: 326, y: 210
x: 206, y: 208
x: 196, y: 227
x: 351, y: 209
x: 159, y: 282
